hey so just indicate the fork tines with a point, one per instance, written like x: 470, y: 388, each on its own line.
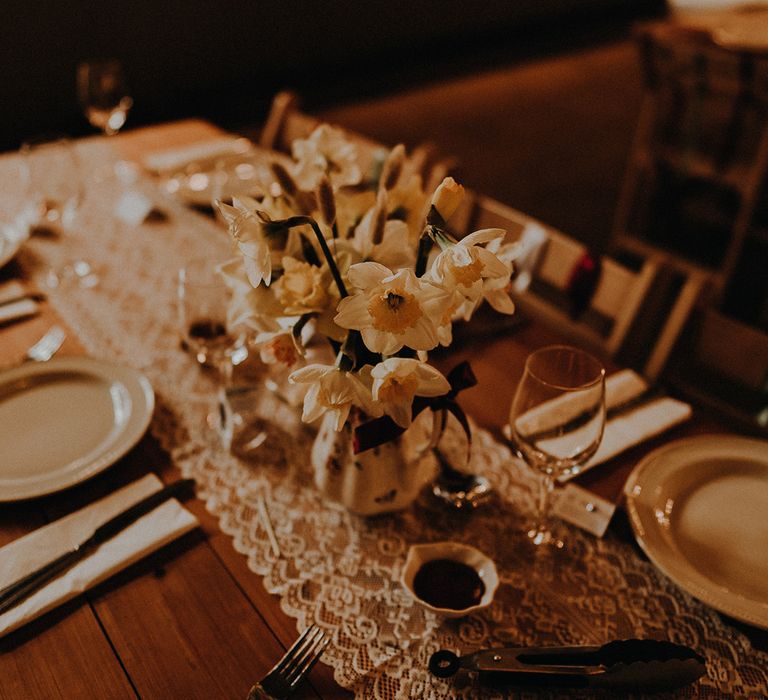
x: 296, y: 663
x: 302, y: 656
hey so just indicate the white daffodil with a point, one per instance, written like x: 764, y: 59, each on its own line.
x: 447, y: 197
x: 453, y: 310
x: 474, y: 272
x: 522, y: 255
x: 325, y: 152
x: 279, y: 348
x: 247, y: 229
x: 409, y: 202
x: 331, y: 390
x: 254, y: 307
x: 397, y: 380
x: 302, y: 288
x: 391, y: 310
x: 386, y: 241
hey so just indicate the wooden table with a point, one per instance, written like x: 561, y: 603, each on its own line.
x: 214, y: 630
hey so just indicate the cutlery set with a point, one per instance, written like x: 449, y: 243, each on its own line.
x: 19, y: 590
x: 640, y: 665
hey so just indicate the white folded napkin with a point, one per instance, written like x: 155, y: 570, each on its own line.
x: 20, y: 308
x: 641, y: 423
x: 22, y: 556
x: 176, y: 158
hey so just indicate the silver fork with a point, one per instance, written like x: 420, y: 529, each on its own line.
x: 297, y: 662
x: 45, y: 348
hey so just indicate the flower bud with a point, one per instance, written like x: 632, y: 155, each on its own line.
x: 379, y: 217
x: 447, y: 197
x: 284, y: 179
x: 326, y: 201
x: 393, y: 167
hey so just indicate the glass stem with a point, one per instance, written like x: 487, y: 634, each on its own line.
x: 540, y: 532
x: 222, y: 417
x: 225, y: 369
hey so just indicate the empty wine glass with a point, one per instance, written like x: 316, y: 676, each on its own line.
x: 209, y: 336
x: 54, y: 180
x: 203, y: 311
x: 557, y: 419
x: 103, y: 94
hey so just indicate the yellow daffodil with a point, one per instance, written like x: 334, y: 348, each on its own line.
x: 302, y: 288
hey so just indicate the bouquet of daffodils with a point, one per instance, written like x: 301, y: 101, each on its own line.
x: 367, y: 262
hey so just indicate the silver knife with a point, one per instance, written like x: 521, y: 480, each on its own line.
x: 17, y: 591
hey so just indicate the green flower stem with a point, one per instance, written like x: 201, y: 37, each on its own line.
x: 425, y: 245
x: 299, y: 325
x: 301, y: 221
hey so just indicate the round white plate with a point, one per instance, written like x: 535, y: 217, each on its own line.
x: 699, y: 510
x: 11, y: 239
x: 65, y: 420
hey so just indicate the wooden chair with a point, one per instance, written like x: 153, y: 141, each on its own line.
x: 691, y: 197
x: 617, y: 296
x: 619, y: 307
x: 699, y: 160
x: 723, y: 363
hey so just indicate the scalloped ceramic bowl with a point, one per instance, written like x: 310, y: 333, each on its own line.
x: 420, y: 554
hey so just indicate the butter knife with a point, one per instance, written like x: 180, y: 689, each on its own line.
x: 17, y: 591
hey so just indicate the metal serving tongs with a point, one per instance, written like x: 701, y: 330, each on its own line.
x: 640, y: 664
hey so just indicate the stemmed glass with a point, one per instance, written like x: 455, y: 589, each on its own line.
x: 54, y: 179
x: 103, y: 94
x: 55, y: 193
x: 203, y: 313
x: 557, y: 419
x: 208, y: 334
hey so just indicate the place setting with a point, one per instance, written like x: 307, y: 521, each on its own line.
x: 295, y: 359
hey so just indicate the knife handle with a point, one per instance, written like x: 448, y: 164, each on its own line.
x: 114, y: 525
x: 17, y: 591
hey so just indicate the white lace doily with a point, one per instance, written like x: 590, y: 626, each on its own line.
x: 338, y: 570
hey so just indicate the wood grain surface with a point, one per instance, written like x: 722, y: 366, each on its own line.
x: 192, y: 620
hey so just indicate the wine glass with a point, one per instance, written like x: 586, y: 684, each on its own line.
x: 203, y: 311
x: 209, y: 336
x: 55, y: 182
x: 103, y: 94
x: 557, y: 419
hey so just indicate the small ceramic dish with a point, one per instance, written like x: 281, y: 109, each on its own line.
x: 420, y: 554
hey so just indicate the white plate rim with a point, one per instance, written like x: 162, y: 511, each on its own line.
x: 668, y: 561
x: 142, y: 407
x: 11, y: 240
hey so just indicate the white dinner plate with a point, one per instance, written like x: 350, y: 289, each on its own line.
x: 699, y: 510
x: 11, y: 239
x: 65, y: 420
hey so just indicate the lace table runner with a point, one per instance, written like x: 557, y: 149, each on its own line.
x: 338, y: 570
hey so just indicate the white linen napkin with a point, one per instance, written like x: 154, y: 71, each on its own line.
x: 637, y: 425
x: 150, y: 532
x: 13, y: 310
x: 174, y: 159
